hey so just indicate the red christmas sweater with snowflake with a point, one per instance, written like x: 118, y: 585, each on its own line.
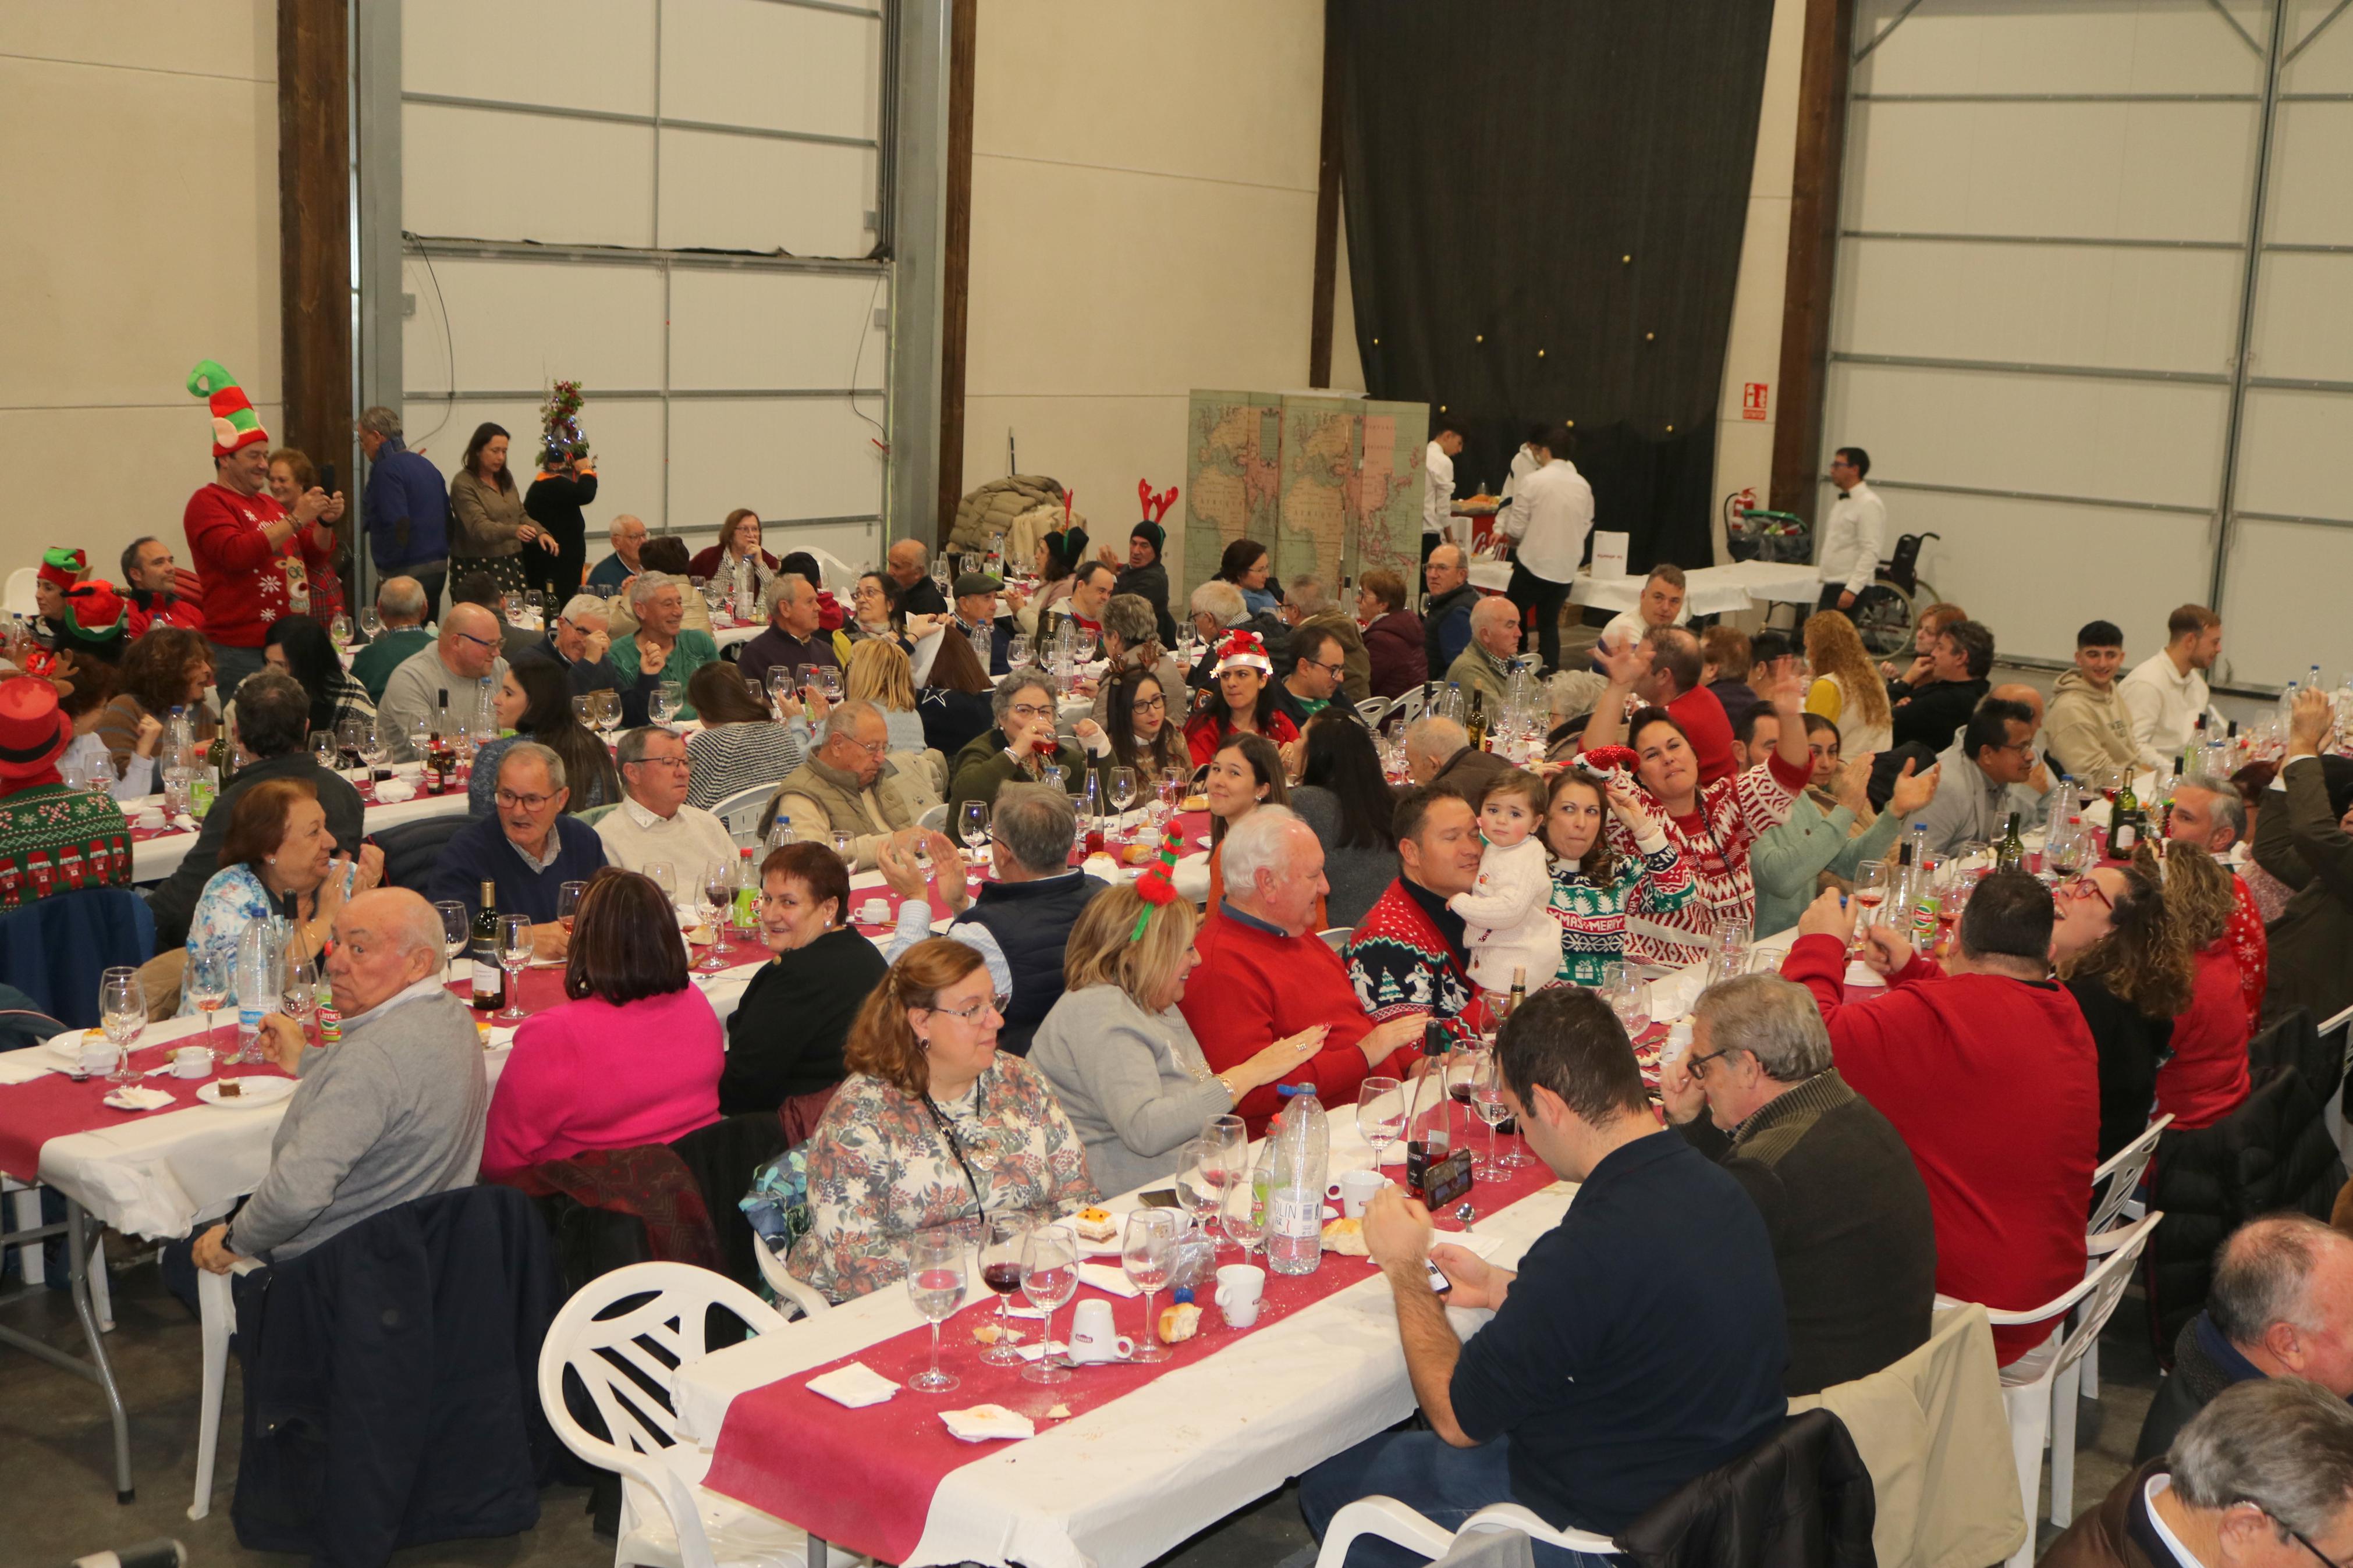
x: 248, y: 582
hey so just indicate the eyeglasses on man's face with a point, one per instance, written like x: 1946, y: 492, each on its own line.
x: 509, y: 800
x: 491, y: 643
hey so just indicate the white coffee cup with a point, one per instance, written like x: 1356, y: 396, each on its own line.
x: 1355, y: 1191
x: 1092, y: 1339
x: 874, y: 912
x: 191, y: 1061
x: 98, y: 1054
x: 1241, y: 1288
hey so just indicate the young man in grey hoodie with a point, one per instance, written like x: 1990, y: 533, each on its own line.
x: 2089, y: 726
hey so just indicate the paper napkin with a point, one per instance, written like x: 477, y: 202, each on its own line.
x: 983, y: 1422
x: 1104, y: 1276
x: 855, y: 1386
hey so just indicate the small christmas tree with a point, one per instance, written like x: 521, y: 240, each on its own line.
x: 559, y: 419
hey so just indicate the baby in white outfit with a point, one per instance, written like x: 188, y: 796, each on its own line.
x: 1510, y: 923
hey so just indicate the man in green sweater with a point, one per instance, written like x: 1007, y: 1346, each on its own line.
x: 400, y: 601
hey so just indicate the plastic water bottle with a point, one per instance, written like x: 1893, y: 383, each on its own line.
x: 258, y: 982
x: 1294, y: 1217
x: 780, y: 833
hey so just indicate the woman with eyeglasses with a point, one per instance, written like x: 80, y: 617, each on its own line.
x: 1020, y: 747
x: 2205, y: 1077
x: 1143, y: 734
x: 932, y: 1127
x: 785, y: 1038
x: 2113, y: 946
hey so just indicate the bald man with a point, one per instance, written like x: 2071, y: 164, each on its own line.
x: 910, y: 566
x: 456, y: 664
x: 1485, y: 664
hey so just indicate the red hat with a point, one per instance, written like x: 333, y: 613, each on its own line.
x: 1244, y: 650
x: 96, y: 612
x: 33, y: 733
x: 62, y: 567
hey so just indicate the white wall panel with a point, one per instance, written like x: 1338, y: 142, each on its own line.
x: 585, y: 54
x: 514, y: 324
x: 2312, y: 199
x: 784, y: 458
x: 2044, y: 304
x: 2153, y: 46
x: 786, y: 67
x: 2303, y: 328
x: 739, y: 192
x: 2150, y: 171
x: 2081, y: 436
x: 776, y: 330
x: 2327, y: 63
x: 2291, y: 453
x: 483, y: 173
x: 2283, y: 603
x: 625, y: 437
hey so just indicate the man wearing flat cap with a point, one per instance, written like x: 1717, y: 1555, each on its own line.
x: 976, y: 616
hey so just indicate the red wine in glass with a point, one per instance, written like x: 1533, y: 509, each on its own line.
x: 1002, y: 1277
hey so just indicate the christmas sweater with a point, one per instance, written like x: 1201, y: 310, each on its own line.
x: 2249, y: 944
x: 1400, y: 961
x: 1714, y: 842
x: 56, y: 840
x: 247, y: 582
x: 1592, y: 914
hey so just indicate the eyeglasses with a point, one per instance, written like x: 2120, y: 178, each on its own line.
x: 971, y: 1015
x: 1155, y: 703
x: 2307, y: 1545
x: 1697, y: 1066
x: 478, y: 642
x: 679, y: 761
x: 507, y: 800
x: 1335, y: 670
x: 1029, y: 710
x: 871, y: 748
x: 2081, y: 888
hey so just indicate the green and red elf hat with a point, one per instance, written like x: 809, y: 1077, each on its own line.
x: 63, y: 567
x: 1158, y: 886
x: 96, y: 613
x: 235, y: 424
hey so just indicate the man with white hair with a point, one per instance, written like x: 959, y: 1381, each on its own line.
x: 1848, y: 1212
x: 662, y: 651
x: 1485, y: 666
x: 577, y: 642
x: 393, y: 1111
x: 1265, y: 976
x: 450, y: 669
x: 1438, y: 752
x: 2280, y: 1305
x: 653, y: 821
x: 400, y: 603
x: 796, y: 634
x: 611, y: 575
x: 910, y: 567
x: 850, y: 785
x: 1217, y: 607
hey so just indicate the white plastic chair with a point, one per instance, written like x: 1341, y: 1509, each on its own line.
x: 1390, y: 1519
x: 807, y: 1297
x: 2041, y: 1404
x: 20, y: 598
x: 740, y: 813
x: 217, y: 1315
x: 2112, y: 1189
x: 1408, y: 706
x: 625, y: 1363
x: 1336, y: 937
x: 934, y: 820
x: 1373, y: 710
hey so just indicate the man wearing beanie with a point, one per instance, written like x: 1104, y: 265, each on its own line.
x: 254, y: 560
x: 1145, y: 576
x: 52, y: 839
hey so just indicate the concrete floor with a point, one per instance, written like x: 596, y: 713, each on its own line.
x: 56, y: 1450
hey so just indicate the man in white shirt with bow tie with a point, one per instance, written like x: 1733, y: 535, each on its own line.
x: 1852, y: 532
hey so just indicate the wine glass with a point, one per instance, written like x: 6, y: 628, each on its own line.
x: 936, y: 1283
x: 1461, y: 1069
x: 1488, y: 1104
x: 299, y: 996
x: 1123, y: 793
x: 1195, y: 1188
x: 829, y: 679
x: 780, y: 686
x: 122, y: 1010
x: 323, y: 750
x: 1000, y: 1270
x: 663, y: 704
x: 972, y: 826
x: 456, y: 929
x: 1225, y: 1161
x: 1244, y: 1209
x: 1144, y: 1253
x: 662, y: 875
x: 515, y: 956
x: 1180, y: 782
x: 1870, y: 892
x: 805, y: 680
x: 568, y: 903
x: 208, y: 984
x: 532, y: 600
x: 1049, y: 1276
x: 584, y: 709
x: 338, y: 629
x: 371, y: 622
x: 1017, y: 651
x: 717, y: 899
x: 1380, y: 1114
x: 608, y: 713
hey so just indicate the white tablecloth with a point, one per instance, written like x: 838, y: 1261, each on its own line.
x: 153, y: 860
x: 1709, y: 590
x: 1127, y: 1481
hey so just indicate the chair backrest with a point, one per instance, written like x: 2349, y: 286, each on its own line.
x: 2096, y: 1297
x: 2294, y: 1039
x: 1336, y: 937
x: 20, y: 599
x: 411, y: 850
x: 1407, y: 708
x: 741, y: 812
x: 2112, y: 1183
x: 1373, y: 710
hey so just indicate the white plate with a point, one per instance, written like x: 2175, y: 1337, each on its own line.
x: 66, y: 1048
x: 257, y: 1090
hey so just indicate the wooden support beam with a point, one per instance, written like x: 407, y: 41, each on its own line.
x: 1813, y: 253
x: 1327, y: 211
x: 955, y: 263
x: 314, y: 234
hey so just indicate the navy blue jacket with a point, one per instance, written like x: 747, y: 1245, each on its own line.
x: 479, y: 851
x: 1032, y: 922
x: 407, y: 508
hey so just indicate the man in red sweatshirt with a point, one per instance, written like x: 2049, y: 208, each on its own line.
x: 1265, y: 976
x: 254, y: 560
x: 1990, y: 1075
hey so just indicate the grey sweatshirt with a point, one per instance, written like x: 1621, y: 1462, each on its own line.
x: 394, y: 1112
x: 1126, y: 1081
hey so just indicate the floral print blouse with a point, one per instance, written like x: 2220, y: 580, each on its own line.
x: 883, y: 1165
x: 232, y: 901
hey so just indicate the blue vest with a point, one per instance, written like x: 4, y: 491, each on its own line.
x: 1032, y: 922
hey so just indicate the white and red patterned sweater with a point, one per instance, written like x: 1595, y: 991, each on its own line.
x: 1713, y: 841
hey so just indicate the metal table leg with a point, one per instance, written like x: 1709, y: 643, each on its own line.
x: 96, y: 1369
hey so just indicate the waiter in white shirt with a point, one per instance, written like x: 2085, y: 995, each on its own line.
x: 1851, y: 535
x: 2166, y: 691
x: 1550, y: 520
x: 1437, y: 486
x: 1524, y: 462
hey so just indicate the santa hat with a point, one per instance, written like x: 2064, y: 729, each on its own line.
x: 33, y: 732
x: 1602, y: 762
x: 96, y: 613
x: 63, y: 567
x: 1158, y: 886
x: 235, y: 424
x: 1244, y: 650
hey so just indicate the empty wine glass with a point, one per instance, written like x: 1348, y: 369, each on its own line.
x: 457, y: 930
x: 532, y: 602
x: 1000, y: 1270
x: 1145, y: 1252
x: 1049, y: 1276
x: 844, y: 842
x: 208, y: 970
x: 1243, y: 1212
x: 663, y: 706
x: 323, y: 750
x: 936, y: 1283
x: 662, y: 875
x: 1488, y: 1104
x: 1123, y: 793
x: 608, y: 713
x: 1380, y: 1114
x: 584, y: 709
x: 338, y: 629
x: 371, y: 622
x: 515, y: 956
x: 299, y: 996
x: 1195, y: 1188
x: 1225, y: 1162
x: 780, y: 687
x: 971, y: 828
x: 122, y: 1012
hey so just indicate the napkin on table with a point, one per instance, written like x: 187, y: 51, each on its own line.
x: 855, y: 1386
x: 1104, y: 1276
x: 983, y: 1422
x: 138, y: 1097
x: 393, y: 791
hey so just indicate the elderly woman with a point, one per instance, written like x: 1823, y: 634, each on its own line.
x: 1119, y: 1056
x: 875, y: 611
x: 880, y: 673
x: 742, y: 744
x: 932, y: 1127
x: 633, y: 1054
x: 1021, y: 745
x: 1132, y: 642
x: 784, y: 1038
x: 533, y: 702
x: 661, y: 649
x: 2113, y: 946
x: 300, y: 646
x: 1243, y: 701
x: 491, y: 526
x: 278, y: 858
x: 169, y: 667
x: 2205, y: 1077
x: 739, y: 541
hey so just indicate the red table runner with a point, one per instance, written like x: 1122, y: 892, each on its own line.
x: 54, y: 1106
x: 864, y: 1478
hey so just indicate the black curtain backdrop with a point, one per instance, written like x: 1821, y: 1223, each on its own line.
x: 1554, y: 233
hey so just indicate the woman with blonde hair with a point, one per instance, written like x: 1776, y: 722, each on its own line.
x: 877, y: 671
x: 1847, y: 690
x: 1117, y: 1053
x: 933, y: 1127
x: 2205, y: 1078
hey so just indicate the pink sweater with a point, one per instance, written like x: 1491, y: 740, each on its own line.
x: 589, y: 1075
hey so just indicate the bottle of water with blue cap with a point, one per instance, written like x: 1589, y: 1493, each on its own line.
x: 1294, y: 1208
